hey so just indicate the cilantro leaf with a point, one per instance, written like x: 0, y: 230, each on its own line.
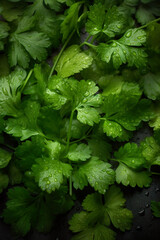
x: 150, y: 150
x: 79, y: 152
x: 70, y: 21
x: 4, y: 28
x: 151, y: 85
x: 131, y: 155
x: 98, y: 173
x: 72, y: 61
x: 125, y: 50
x: 115, y: 22
x: 114, y: 202
x: 155, y: 206
x: 25, y: 125
x: 128, y: 176
x: 27, y: 42
x: 53, y: 4
x: 9, y: 94
x: 97, y: 215
x: 96, y: 17
x: 119, y: 115
x: 81, y: 96
x: 28, y: 152
x: 50, y: 172
x: 5, y: 157
x: 25, y: 210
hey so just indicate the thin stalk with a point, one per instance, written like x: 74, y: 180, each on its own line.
x: 146, y: 25
x: 86, y: 40
x: 26, y: 80
x: 89, y: 44
x: 69, y: 130
x: 67, y: 148
x: 59, y: 55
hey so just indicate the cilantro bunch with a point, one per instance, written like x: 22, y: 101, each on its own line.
x: 77, y: 80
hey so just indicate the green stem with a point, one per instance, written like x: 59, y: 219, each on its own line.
x: 26, y: 80
x: 86, y: 40
x: 59, y: 55
x: 146, y: 25
x: 69, y: 130
x: 67, y: 148
x: 89, y: 44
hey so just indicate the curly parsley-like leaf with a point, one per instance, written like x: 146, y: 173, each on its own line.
x: 155, y: 206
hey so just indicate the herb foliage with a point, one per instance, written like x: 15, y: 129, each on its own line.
x: 59, y: 122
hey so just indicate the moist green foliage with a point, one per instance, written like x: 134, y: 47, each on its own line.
x: 78, y: 80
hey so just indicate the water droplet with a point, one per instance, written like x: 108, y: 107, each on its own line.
x: 48, y: 182
x: 59, y: 171
x: 140, y: 37
x: 55, y: 179
x: 119, y: 26
x: 84, y: 100
x: 133, y: 161
x: 124, y: 52
x: 78, y: 208
x: 29, y: 45
x: 128, y: 34
x: 86, y: 94
x: 147, y: 205
x: 142, y: 212
x: 96, y: 183
x: 139, y: 227
x: 134, y: 53
x: 146, y: 194
x: 50, y: 175
x: 89, y: 83
x: 114, y: 44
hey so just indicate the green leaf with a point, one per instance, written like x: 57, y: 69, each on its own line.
x: 96, y: 17
x: 72, y: 61
x: 155, y: 206
x: 25, y: 210
x: 81, y: 96
x: 98, y: 173
x: 150, y: 150
x: 53, y: 4
x: 5, y: 157
x: 50, y: 173
x: 28, y: 152
x: 117, y: 21
x: 25, y: 125
x: 131, y: 155
x: 4, y: 28
x: 151, y: 85
x: 79, y: 152
x: 34, y: 43
x: 70, y: 21
x: 100, y: 148
x: 125, y: 50
x: 127, y: 176
x: 9, y: 94
x: 12, y: 11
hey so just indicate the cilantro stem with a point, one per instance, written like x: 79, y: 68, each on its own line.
x: 67, y: 148
x: 26, y: 80
x: 60, y: 53
x: 86, y: 40
x: 146, y: 25
x: 89, y: 44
